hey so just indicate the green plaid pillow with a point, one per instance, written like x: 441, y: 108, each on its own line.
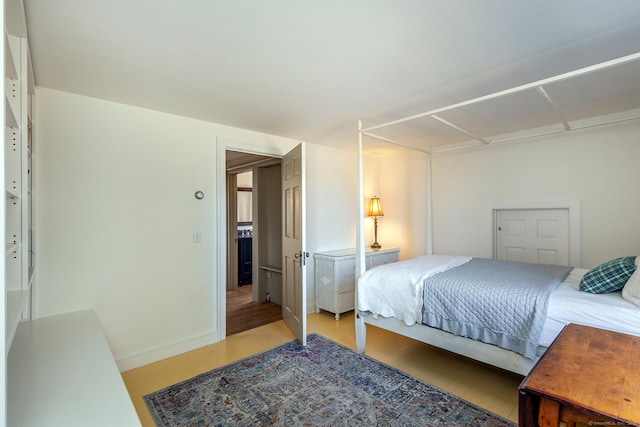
x: 608, y: 277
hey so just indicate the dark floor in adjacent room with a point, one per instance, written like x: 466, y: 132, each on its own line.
x: 243, y: 313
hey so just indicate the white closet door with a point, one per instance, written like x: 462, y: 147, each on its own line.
x: 538, y: 236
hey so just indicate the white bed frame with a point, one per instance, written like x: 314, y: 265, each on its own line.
x: 477, y: 350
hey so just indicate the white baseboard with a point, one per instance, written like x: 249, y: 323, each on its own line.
x: 131, y: 362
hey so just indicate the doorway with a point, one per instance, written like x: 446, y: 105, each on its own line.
x: 254, y: 241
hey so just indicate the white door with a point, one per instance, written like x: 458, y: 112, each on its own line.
x: 538, y: 236
x: 294, y: 294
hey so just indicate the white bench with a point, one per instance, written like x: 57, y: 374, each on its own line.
x: 61, y: 372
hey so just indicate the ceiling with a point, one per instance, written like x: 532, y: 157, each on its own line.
x: 310, y: 70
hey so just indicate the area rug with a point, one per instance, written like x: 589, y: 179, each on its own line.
x: 322, y: 384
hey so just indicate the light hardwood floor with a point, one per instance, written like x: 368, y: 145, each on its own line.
x: 489, y: 387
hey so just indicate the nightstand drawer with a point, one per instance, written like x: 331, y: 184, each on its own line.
x: 383, y: 258
x: 345, y: 283
x: 346, y: 301
x: 346, y: 267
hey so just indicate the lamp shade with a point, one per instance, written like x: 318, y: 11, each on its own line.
x: 375, y: 207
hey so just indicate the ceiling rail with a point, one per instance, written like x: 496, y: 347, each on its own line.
x: 553, y: 105
x: 517, y: 89
x: 499, y: 140
x: 391, y: 141
x: 459, y: 129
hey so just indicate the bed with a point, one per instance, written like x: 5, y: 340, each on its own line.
x: 565, y: 303
x: 394, y: 297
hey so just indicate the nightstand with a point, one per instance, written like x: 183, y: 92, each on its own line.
x: 587, y: 375
x: 335, y: 276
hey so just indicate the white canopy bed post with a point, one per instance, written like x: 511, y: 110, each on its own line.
x: 361, y: 329
x: 429, y: 209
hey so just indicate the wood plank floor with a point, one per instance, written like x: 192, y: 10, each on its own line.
x: 244, y: 314
x: 491, y: 388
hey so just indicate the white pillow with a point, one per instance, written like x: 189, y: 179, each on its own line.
x: 631, y: 290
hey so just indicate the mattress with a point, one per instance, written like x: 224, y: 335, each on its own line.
x: 606, y: 311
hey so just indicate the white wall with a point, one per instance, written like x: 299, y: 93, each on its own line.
x: 598, y: 167
x: 331, y: 205
x: 115, y: 209
x: 116, y: 212
x: 115, y: 216
x: 399, y: 177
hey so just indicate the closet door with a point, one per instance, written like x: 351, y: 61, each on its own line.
x: 538, y: 236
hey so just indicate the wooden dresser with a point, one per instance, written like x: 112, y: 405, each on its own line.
x: 335, y: 277
x: 587, y: 375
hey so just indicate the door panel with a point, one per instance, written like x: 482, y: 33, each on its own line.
x: 232, y: 232
x: 294, y: 309
x: 539, y: 236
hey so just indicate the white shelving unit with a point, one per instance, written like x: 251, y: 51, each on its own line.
x: 19, y: 90
x: 18, y: 263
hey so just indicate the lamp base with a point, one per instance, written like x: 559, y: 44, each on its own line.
x: 375, y: 245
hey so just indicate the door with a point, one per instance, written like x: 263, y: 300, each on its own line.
x: 232, y: 232
x: 294, y: 298
x: 538, y: 236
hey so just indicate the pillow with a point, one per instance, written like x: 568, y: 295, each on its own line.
x: 631, y: 290
x: 608, y: 277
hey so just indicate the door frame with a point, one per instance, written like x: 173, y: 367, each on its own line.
x: 573, y: 206
x: 265, y: 148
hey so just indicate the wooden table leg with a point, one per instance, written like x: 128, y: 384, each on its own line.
x: 549, y: 413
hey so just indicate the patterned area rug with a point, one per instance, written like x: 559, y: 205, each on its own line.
x: 323, y: 384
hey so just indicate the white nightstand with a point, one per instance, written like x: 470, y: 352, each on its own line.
x: 335, y: 276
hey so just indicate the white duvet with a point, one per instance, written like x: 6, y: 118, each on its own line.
x: 395, y: 290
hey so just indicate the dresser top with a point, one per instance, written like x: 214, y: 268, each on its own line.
x: 352, y: 252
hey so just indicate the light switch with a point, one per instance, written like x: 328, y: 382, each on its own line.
x: 197, y: 236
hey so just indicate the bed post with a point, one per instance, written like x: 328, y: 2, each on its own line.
x: 361, y: 328
x: 429, y: 208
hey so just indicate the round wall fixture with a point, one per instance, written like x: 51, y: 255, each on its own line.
x: 199, y: 195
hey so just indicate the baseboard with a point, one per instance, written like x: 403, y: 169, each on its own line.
x: 132, y: 362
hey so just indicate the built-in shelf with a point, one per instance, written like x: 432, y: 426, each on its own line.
x: 12, y: 247
x: 11, y: 47
x: 19, y: 88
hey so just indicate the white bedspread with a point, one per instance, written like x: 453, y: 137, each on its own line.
x: 395, y: 290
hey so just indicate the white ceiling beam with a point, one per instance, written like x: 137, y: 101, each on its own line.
x: 401, y: 144
x: 547, y: 98
x: 459, y: 129
x: 576, y: 127
x: 517, y: 89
